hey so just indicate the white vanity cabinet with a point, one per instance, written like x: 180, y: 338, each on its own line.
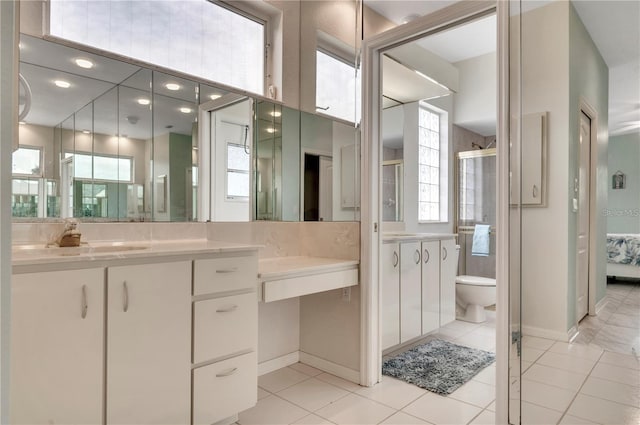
x: 410, y: 291
x: 390, y: 294
x: 430, y: 286
x: 57, y: 321
x: 149, y: 343
x: 448, y: 270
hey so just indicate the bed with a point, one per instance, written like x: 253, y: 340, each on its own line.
x: 623, y: 255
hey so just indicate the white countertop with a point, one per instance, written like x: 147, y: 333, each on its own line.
x: 402, y: 236
x: 287, y: 267
x: 106, y: 254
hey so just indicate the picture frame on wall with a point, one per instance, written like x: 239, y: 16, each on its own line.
x: 618, y: 180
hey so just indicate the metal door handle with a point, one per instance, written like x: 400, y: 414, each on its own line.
x: 227, y: 309
x: 426, y: 256
x: 85, y: 305
x: 226, y: 373
x: 444, y: 253
x: 417, y: 256
x: 233, y: 270
x: 395, y: 259
x: 125, y: 297
x: 535, y: 191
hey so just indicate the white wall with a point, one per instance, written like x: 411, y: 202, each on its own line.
x: 160, y: 167
x: 343, y: 135
x: 475, y: 102
x: 623, y: 205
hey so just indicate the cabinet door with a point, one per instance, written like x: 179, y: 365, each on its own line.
x: 57, y: 349
x: 430, y: 286
x: 448, y: 270
x: 410, y: 291
x: 533, y: 146
x: 390, y: 295
x: 149, y: 344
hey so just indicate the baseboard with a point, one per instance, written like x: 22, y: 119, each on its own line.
x: 330, y: 367
x: 600, y: 305
x: 572, y: 333
x: 545, y: 333
x: 278, y: 363
x: 228, y: 421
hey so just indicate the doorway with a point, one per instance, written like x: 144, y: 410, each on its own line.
x: 583, y: 192
x: 318, y: 187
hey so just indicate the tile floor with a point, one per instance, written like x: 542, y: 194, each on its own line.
x: 596, y: 379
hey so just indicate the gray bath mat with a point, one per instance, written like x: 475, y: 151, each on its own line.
x: 438, y: 366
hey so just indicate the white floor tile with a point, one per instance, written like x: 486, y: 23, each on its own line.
x: 556, y: 377
x: 262, y: 393
x: 392, y: 392
x: 461, y: 325
x: 312, y: 394
x: 531, y: 354
x: 620, y: 360
x: 271, y: 410
x: 526, y: 365
x: 312, y: 420
x: 566, y: 362
x: 476, y: 340
x: 536, y: 342
x: 492, y: 407
x: 486, y: 375
x: 354, y: 409
x: 577, y: 350
x: 537, y: 415
x: 338, y: 382
x: 546, y: 396
x: 476, y: 393
x: 612, y: 391
x: 573, y: 420
x: 280, y: 379
x: 402, y: 418
x: 306, y: 369
x: 617, y: 374
x: 442, y: 410
x: 604, y: 411
x: 485, y: 418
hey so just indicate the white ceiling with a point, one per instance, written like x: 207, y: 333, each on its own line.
x: 612, y: 24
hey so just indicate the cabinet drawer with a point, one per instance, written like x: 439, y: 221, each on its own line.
x: 225, y: 388
x: 223, y: 326
x: 225, y: 274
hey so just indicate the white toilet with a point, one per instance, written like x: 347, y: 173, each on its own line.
x: 473, y: 294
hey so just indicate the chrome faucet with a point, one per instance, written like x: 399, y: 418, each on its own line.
x: 69, y: 237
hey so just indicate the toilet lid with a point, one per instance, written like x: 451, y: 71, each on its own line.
x: 475, y: 280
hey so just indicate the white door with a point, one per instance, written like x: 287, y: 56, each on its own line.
x: 149, y: 344
x: 583, y: 187
x: 57, y: 334
x: 390, y: 295
x: 448, y: 269
x: 326, y: 189
x: 430, y: 286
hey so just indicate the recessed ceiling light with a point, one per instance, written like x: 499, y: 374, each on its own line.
x: 185, y: 110
x: 215, y: 96
x: 20, y: 45
x: 84, y: 63
x: 275, y: 113
x: 409, y: 18
x: 172, y: 86
x: 86, y: 132
x: 21, y: 122
x: 270, y: 130
x: 62, y: 84
x: 144, y: 101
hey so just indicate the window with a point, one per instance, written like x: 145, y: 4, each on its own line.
x: 237, y: 172
x: 196, y: 37
x: 428, y: 165
x: 101, y: 167
x: 25, y: 195
x: 337, y: 88
x: 27, y: 161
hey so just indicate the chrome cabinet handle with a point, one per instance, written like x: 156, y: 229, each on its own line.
x: 226, y: 373
x: 125, y: 297
x: 227, y: 309
x: 535, y: 191
x: 417, y: 256
x: 233, y: 270
x: 444, y: 253
x: 85, y: 305
x: 426, y: 256
x: 395, y: 259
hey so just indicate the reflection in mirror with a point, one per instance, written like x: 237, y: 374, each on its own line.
x: 392, y: 186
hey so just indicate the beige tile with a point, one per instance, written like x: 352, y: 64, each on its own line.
x: 312, y: 394
x: 537, y: 343
x: 556, y: 377
x: 354, y: 409
x: 312, y: 420
x: 402, y: 418
x: 476, y: 393
x: 604, y: 411
x: 262, y: 393
x: 280, y: 379
x: 526, y: 366
x: 538, y: 415
x: 620, y: 360
x: 577, y: 350
x: 531, y: 354
x: 546, y: 396
x: 486, y: 375
x: 566, y: 362
x: 306, y: 369
x: 612, y: 391
x: 617, y: 374
x: 627, y: 321
x: 492, y: 406
x: 271, y: 410
x: 573, y: 420
x: 338, y: 382
x: 442, y: 410
x: 487, y: 417
x: 392, y: 392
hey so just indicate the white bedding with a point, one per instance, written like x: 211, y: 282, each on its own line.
x: 623, y: 255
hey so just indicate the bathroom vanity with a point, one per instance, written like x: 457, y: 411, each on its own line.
x: 160, y: 332
x: 418, y: 292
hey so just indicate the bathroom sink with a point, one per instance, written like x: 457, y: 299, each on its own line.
x: 48, y: 251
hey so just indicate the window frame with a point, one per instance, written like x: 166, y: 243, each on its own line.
x: 227, y: 170
x: 336, y: 54
x: 40, y: 174
x: 93, y: 154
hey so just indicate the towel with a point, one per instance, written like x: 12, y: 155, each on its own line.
x: 480, y: 245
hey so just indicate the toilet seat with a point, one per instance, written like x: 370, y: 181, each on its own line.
x: 475, y: 280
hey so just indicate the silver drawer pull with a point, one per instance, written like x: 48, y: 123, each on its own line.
x: 426, y: 256
x: 417, y: 256
x: 227, y: 309
x: 85, y: 305
x: 125, y: 297
x: 396, y: 259
x: 233, y: 270
x: 444, y: 253
x: 226, y: 373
